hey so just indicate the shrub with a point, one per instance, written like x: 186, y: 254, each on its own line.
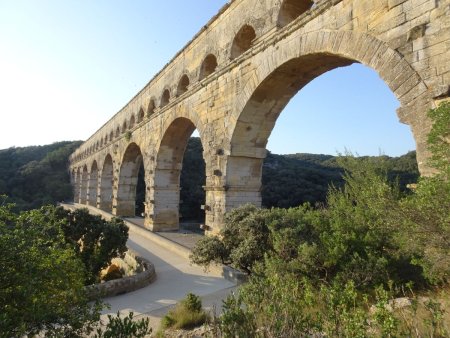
x: 186, y: 314
x: 118, y: 327
x: 243, y: 241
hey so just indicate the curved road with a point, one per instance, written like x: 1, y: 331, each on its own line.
x: 175, y: 277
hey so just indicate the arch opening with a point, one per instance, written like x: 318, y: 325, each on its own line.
x: 84, y: 185
x: 242, y: 41
x: 132, y: 121
x: 76, y: 185
x: 93, y: 185
x: 208, y: 66
x: 292, y: 9
x: 141, y: 115
x: 257, y: 120
x: 174, y: 154
x: 151, y: 108
x: 183, y: 85
x: 106, y: 185
x: 125, y: 201
x: 165, y: 98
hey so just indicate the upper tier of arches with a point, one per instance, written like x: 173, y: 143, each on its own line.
x: 241, y: 40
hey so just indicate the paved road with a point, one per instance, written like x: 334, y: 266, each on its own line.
x: 175, y: 278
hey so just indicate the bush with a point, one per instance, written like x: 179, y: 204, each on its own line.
x: 124, y: 327
x: 243, y: 241
x: 186, y: 314
x: 41, y: 280
x: 325, y: 268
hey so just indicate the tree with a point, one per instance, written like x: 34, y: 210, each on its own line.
x: 93, y: 239
x: 244, y: 240
x: 41, y: 280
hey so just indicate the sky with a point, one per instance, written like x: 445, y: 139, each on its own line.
x: 66, y: 67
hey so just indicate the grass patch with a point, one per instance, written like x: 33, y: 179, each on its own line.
x: 187, y: 314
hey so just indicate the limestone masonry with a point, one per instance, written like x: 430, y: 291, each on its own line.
x: 232, y: 81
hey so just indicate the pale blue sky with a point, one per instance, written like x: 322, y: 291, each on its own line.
x: 67, y: 66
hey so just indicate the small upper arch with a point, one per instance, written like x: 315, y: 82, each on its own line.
x: 124, y: 126
x: 242, y: 41
x: 151, y: 107
x: 291, y: 10
x: 94, y: 167
x: 165, y: 98
x: 183, y: 85
x: 208, y: 66
x: 141, y: 115
x: 132, y: 121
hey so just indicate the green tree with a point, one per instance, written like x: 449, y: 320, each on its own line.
x: 244, y: 240
x: 94, y: 240
x: 41, y: 280
x: 424, y: 215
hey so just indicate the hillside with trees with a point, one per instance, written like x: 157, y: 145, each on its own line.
x: 37, y: 175
x: 287, y: 180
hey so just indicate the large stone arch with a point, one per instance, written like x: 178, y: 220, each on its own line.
x: 281, y: 71
x: 125, y: 199
x: 92, y: 187
x: 164, y: 199
x: 106, y: 184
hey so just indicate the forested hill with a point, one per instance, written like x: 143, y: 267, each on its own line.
x: 33, y: 176
x: 37, y: 175
x: 290, y: 180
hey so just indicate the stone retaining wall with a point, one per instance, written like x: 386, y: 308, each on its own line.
x: 146, y: 275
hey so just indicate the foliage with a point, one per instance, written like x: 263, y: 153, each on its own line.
x: 324, y: 268
x: 192, y: 180
x: 292, y: 180
x: 282, y: 305
x: 425, y: 215
x: 439, y: 138
x: 243, y: 240
x: 128, y: 135
x: 35, y: 176
x: 351, y: 239
x: 126, y: 327
x: 186, y: 314
x: 42, y: 280
x: 95, y: 241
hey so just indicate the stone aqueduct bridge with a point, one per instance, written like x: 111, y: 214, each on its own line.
x: 233, y: 79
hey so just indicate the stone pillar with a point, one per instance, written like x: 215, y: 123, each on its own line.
x: 163, y: 202
x: 126, y: 196
x: 92, y: 188
x: 105, y: 195
x: 240, y: 185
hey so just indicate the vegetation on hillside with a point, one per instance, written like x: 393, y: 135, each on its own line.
x: 336, y: 269
x: 36, y: 176
x: 287, y: 180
